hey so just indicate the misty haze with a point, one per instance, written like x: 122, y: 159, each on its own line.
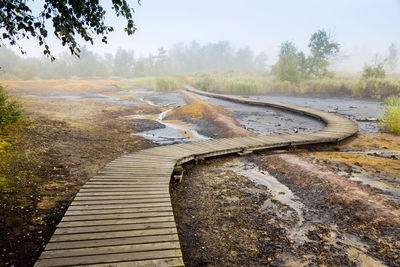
x: 200, y: 133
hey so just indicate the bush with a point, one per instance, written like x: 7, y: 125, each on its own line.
x: 10, y: 110
x: 377, y: 72
x: 390, y: 118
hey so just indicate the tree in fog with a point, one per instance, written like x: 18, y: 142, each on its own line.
x: 294, y: 65
x: 161, y: 62
x: 288, y: 67
x: 393, y: 57
x: 323, y: 49
x: 88, y: 65
x: 244, y: 59
x: 260, y: 61
x: 123, y: 63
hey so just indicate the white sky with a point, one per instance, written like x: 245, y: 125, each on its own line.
x: 363, y: 27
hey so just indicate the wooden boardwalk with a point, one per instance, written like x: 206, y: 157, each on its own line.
x: 123, y: 215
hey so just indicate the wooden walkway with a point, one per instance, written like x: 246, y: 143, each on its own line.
x: 123, y: 215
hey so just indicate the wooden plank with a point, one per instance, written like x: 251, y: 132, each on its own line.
x: 160, y: 263
x: 113, y: 228
x: 120, y: 206
x: 117, y: 211
x: 112, y: 197
x: 119, y: 216
x: 116, y: 221
x: 116, y: 234
x: 94, y: 190
x: 119, y: 201
x: 110, y: 250
x: 116, y: 182
x: 111, y: 241
x: 109, y: 258
x: 125, y: 186
x: 139, y: 193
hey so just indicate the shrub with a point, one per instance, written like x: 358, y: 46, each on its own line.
x: 377, y: 72
x: 10, y: 109
x: 390, y: 118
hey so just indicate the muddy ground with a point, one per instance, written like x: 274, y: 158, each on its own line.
x: 324, y: 205
x: 291, y: 208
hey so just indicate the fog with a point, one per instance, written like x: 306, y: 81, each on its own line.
x: 364, y: 29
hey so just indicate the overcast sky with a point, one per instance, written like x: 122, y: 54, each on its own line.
x: 363, y: 27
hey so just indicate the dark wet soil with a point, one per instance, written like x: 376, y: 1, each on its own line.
x: 142, y: 125
x: 227, y: 216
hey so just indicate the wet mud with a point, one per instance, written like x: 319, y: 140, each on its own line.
x: 281, y: 210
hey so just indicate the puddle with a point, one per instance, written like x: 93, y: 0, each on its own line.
x: 353, y: 109
x: 280, y: 193
x: 264, y: 120
x: 173, y: 132
x: 99, y: 97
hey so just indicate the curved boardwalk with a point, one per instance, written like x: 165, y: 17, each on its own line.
x: 123, y: 215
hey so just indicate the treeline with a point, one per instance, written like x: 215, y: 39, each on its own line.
x: 180, y: 59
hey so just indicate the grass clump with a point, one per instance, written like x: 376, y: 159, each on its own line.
x: 10, y: 109
x: 145, y: 82
x: 166, y: 84
x: 390, y: 118
x: 378, y: 88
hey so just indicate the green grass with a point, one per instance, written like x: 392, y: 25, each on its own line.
x: 390, y: 117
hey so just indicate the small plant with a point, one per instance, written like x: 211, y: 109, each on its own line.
x: 10, y: 109
x: 390, y: 118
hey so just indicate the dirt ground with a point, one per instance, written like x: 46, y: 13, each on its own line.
x: 46, y: 158
x: 292, y: 208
